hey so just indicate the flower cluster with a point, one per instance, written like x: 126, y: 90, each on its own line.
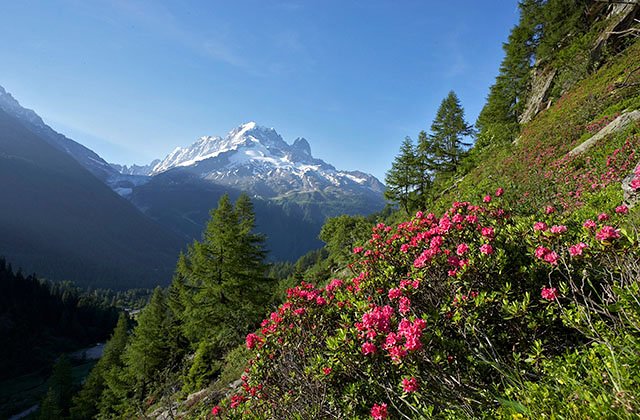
x: 418, y: 289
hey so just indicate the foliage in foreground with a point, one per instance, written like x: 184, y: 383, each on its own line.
x: 446, y: 316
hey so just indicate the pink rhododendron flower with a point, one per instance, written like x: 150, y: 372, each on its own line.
x: 405, y: 305
x: 549, y: 209
x: 410, y: 384
x: 368, y: 348
x: 607, y: 232
x: 486, y: 249
x: 236, y: 400
x: 635, y: 183
x: 557, y: 229
x: 487, y: 198
x: 419, y: 215
x: 540, y: 226
x: 252, y: 340
x: 215, y: 411
x: 487, y: 232
x: 551, y: 258
x: 622, y: 209
x: 462, y: 248
x: 379, y: 411
x: 546, y: 254
x: 541, y: 251
x: 577, y: 249
x: 589, y: 224
x: 549, y: 293
x: 357, y: 250
x: 499, y: 192
x: 394, y: 293
x: 326, y: 370
x: 603, y: 216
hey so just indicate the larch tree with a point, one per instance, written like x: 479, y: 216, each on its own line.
x: 448, y: 132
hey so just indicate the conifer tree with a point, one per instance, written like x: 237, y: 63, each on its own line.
x: 58, y: 399
x: 403, y: 177
x: 448, y: 131
x: 220, y: 283
x: 86, y: 402
x: 147, y: 353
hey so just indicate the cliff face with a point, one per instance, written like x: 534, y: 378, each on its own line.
x: 611, y: 26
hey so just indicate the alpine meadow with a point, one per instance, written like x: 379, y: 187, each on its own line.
x: 479, y: 259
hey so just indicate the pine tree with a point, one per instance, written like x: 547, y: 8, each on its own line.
x: 403, y: 177
x: 58, y: 399
x: 220, y: 283
x: 448, y: 131
x: 86, y: 402
x: 147, y: 353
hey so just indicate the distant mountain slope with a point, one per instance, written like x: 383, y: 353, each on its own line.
x: 293, y: 192
x: 86, y: 157
x: 59, y: 220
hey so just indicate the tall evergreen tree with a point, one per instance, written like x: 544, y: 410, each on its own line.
x: 403, y: 177
x: 86, y: 402
x: 448, y: 132
x: 221, y: 281
x: 147, y: 353
x: 57, y: 402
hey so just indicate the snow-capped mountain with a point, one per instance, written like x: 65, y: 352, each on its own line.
x: 141, y: 170
x: 257, y: 159
x: 86, y: 157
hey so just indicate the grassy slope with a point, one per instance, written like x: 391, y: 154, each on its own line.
x: 531, y: 168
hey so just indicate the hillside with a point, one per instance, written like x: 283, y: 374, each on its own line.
x: 60, y: 220
x: 505, y: 286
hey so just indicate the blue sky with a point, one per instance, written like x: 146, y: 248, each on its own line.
x: 132, y: 79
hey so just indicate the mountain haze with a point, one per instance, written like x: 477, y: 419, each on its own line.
x: 58, y: 219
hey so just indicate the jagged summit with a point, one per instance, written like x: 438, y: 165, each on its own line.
x: 257, y: 159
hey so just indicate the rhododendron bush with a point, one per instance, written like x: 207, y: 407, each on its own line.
x: 437, y: 309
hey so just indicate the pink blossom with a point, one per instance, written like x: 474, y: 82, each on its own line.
x: 589, y: 224
x: 357, y: 250
x: 397, y: 353
x: 252, y: 340
x: 558, y: 229
x: 369, y: 348
x: 622, y: 209
x: 541, y: 251
x: 462, y: 248
x: 487, y: 232
x: 607, y: 232
x: 404, y: 248
x: 326, y: 370
x: 551, y: 258
x: 635, y: 183
x: 379, y: 411
x: 405, y: 305
x: 410, y: 384
x: 549, y: 210
x: 486, y: 249
x: 487, y: 198
x: 540, y: 226
x: 215, y: 411
x: 603, y: 216
x: 394, y: 293
x: 577, y: 249
x: 419, y: 215
x: 549, y: 293
x: 236, y: 400
x: 499, y: 192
